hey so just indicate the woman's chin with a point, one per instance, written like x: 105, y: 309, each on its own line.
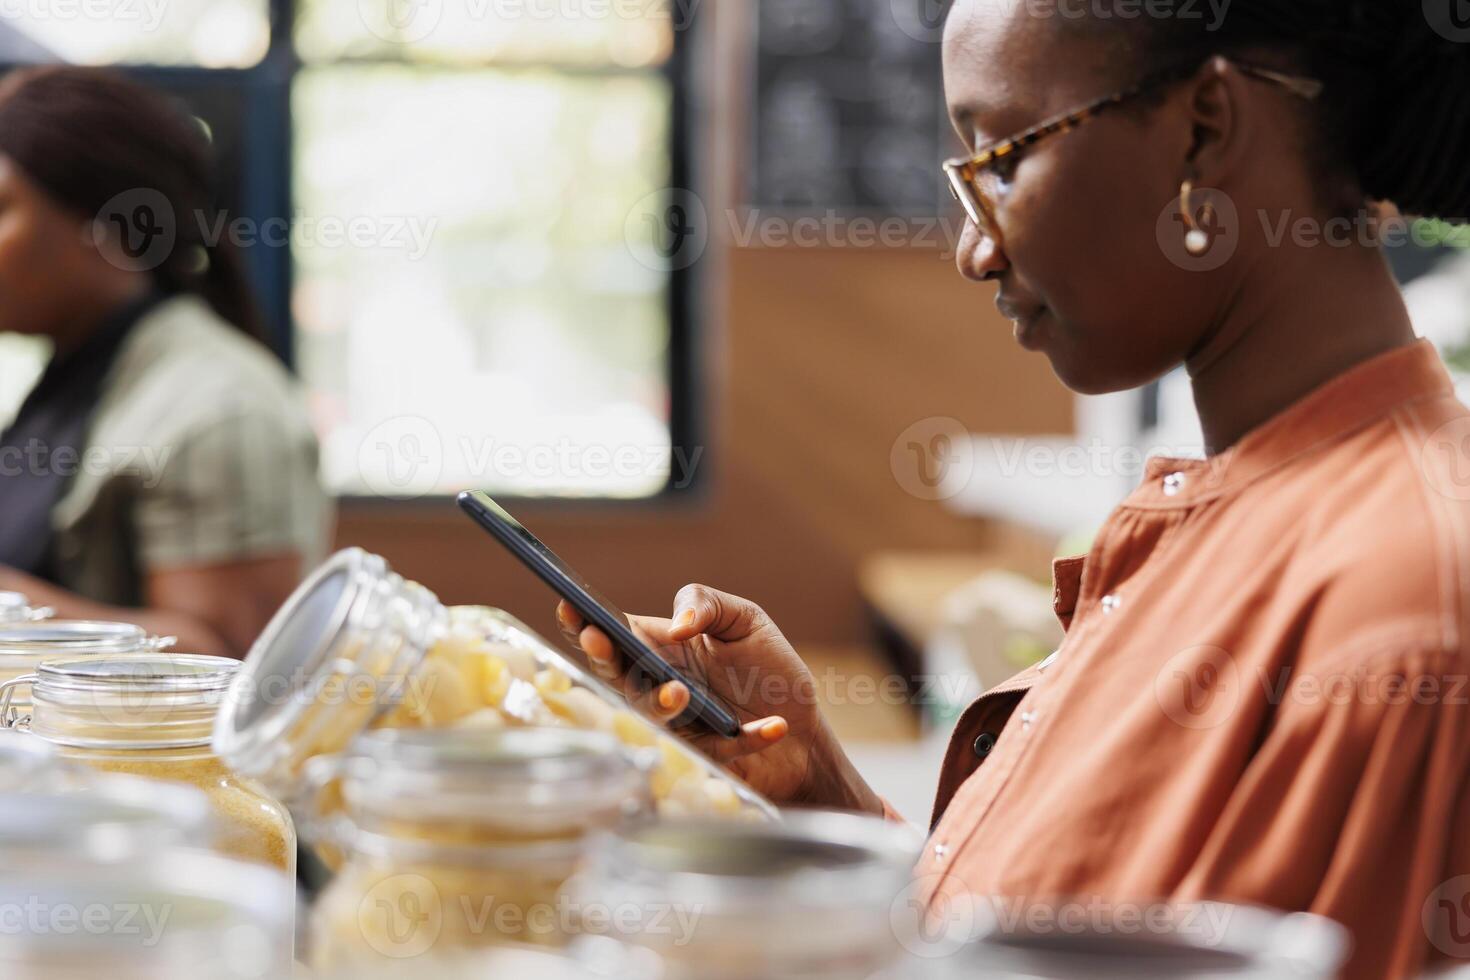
x: 1082, y: 372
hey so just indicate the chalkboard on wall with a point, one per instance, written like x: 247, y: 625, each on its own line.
x: 849, y: 110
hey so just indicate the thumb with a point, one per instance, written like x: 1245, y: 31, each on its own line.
x: 701, y: 609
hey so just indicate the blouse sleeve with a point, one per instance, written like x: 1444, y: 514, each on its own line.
x: 1356, y: 806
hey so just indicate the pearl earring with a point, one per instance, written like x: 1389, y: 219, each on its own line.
x: 1196, y: 239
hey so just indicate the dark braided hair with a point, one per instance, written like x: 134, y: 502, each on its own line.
x: 1395, y: 112
x: 86, y: 135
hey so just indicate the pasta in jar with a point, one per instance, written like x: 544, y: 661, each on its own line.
x: 359, y: 648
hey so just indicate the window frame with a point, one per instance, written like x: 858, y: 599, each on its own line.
x: 265, y: 191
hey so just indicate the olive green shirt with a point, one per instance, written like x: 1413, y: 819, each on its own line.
x: 200, y: 453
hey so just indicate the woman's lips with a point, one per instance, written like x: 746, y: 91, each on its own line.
x: 1026, y: 321
x: 1028, y: 331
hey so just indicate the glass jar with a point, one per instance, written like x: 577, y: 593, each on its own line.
x: 357, y: 647
x: 24, y: 646
x: 29, y: 764
x: 16, y: 608
x: 1091, y: 936
x: 150, y: 715
x: 106, y: 817
x: 809, y: 898
x: 463, y: 840
x: 501, y: 963
x: 171, y: 915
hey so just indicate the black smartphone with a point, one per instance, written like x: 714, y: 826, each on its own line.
x: 595, y: 609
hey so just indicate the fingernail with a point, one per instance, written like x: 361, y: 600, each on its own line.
x: 773, y: 729
x: 666, y: 698
x: 685, y: 617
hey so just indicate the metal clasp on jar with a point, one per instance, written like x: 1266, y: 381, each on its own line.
x: 9, y: 717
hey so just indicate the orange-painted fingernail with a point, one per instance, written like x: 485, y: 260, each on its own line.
x: 773, y: 729
x: 685, y: 617
x: 666, y: 698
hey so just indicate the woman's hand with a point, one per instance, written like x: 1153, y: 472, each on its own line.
x: 785, y: 750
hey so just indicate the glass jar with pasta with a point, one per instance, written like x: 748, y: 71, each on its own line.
x: 460, y: 840
x: 357, y: 647
x: 150, y: 716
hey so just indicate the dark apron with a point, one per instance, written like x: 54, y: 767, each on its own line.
x: 41, y: 452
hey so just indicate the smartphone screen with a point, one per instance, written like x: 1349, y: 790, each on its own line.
x: 594, y: 607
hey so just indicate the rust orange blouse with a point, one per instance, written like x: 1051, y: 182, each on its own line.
x: 1264, y: 692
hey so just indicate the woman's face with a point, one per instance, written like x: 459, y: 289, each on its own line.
x: 1082, y: 271
x: 47, y: 264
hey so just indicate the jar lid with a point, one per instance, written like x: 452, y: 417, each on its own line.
x: 133, y: 701
x: 142, y: 673
x: 815, y: 860
x: 74, y: 636
x: 168, y: 916
x: 28, y: 762
x: 103, y: 817
x: 1088, y: 937
x: 532, y: 781
x: 351, y: 620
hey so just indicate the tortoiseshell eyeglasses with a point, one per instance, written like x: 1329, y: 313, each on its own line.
x: 974, y: 180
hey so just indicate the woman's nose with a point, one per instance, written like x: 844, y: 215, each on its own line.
x: 979, y: 256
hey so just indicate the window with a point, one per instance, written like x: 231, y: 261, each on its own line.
x: 208, y: 33
x: 474, y: 296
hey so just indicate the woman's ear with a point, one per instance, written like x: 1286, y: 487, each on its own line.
x: 1217, y: 108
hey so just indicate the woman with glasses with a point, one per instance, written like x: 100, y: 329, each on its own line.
x: 1262, y: 697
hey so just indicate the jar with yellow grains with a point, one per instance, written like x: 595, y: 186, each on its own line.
x: 462, y: 840
x: 24, y: 646
x: 150, y: 716
x: 358, y: 648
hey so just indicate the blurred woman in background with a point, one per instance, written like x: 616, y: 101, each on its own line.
x: 162, y: 471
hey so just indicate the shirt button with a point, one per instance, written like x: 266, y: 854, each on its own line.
x: 1173, y: 483
x: 941, y: 851
x: 984, y: 745
x: 1111, y: 604
x: 1027, y: 717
